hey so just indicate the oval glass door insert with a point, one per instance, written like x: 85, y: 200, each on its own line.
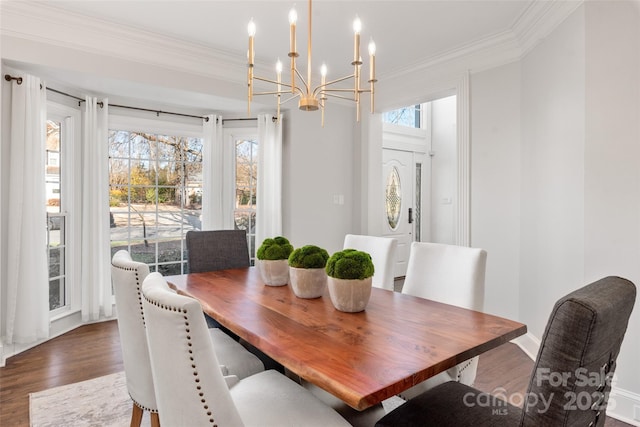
x: 393, y: 198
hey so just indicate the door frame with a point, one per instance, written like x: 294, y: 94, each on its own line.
x: 370, y: 153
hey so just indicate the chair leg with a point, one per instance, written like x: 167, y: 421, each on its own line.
x: 155, y: 420
x: 136, y: 416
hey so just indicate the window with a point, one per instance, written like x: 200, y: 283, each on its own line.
x: 155, y: 196
x: 56, y: 218
x: 407, y: 116
x: 244, y: 213
x: 62, y: 189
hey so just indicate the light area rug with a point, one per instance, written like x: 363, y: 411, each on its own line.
x: 100, y: 402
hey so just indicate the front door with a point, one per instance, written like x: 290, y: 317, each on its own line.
x: 399, y: 211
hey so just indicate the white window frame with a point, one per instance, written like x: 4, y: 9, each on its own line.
x: 70, y: 179
x: 137, y: 122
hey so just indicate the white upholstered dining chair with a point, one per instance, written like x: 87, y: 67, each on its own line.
x: 191, y: 391
x: 383, y: 255
x: 127, y: 278
x: 452, y: 275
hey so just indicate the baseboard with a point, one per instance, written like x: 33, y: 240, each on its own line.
x: 529, y: 344
x: 622, y: 406
x: 622, y: 403
x: 2, y: 351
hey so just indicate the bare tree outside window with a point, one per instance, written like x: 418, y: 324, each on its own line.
x: 155, y: 196
x: 406, y: 116
x: 246, y: 190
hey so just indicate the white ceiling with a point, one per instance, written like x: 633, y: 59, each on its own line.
x: 407, y: 33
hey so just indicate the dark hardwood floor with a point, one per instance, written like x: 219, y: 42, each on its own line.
x: 94, y: 350
x: 506, y: 370
x: 84, y: 353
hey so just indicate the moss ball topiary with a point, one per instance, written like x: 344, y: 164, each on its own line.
x: 350, y: 264
x: 274, y: 249
x: 308, y: 256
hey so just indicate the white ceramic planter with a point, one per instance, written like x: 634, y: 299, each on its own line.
x: 308, y: 282
x: 349, y: 296
x: 274, y: 272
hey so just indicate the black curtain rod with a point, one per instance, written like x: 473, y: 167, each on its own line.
x: 158, y: 112
x: 18, y: 80
x: 273, y: 119
x: 243, y: 119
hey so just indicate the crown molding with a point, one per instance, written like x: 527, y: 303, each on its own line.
x: 531, y: 27
x: 46, y: 23
x: 539, y: 20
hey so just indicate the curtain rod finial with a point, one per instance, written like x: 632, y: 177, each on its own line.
x: 8, y: 78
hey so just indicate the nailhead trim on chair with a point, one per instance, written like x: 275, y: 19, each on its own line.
x: 193, y: 363
x: 138, y: 290
x: 144, y: 408
x: 459, y: 376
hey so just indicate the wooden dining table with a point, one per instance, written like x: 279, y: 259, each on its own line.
x: 361, y: 358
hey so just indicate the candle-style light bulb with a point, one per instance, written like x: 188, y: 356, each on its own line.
x: 251, y: 29
x: 279, y: 67
x: 372, y: 61
x: 293, y: 16
x: 323, y: 70
x: 357, y: 27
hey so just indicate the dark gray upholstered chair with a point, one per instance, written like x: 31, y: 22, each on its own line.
x: 571, y: 378
x: 213, y: 250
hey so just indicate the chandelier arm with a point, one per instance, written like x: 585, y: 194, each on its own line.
x: 323, y: 88
x: 272, y: 92
x: 304, y: 82
x: 333, y: 95
x: 341, y: 79
x: 289, y: 99
x: 271, y: 81
x: 276, y: 92
x: 327, y: 91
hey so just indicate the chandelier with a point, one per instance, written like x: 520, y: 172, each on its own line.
x: 313, y: 98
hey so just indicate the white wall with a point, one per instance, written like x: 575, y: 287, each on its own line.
x: 444, y: 176
x: 553, y: 131
x: 495, y: 183
x: 555, y: 176
x: 612, y: 163
x: 318, y: 167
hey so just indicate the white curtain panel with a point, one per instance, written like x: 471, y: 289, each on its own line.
x: 212, y: 173
x: 27, y: 318
x: 269, y: 197
x: 96, y: 257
